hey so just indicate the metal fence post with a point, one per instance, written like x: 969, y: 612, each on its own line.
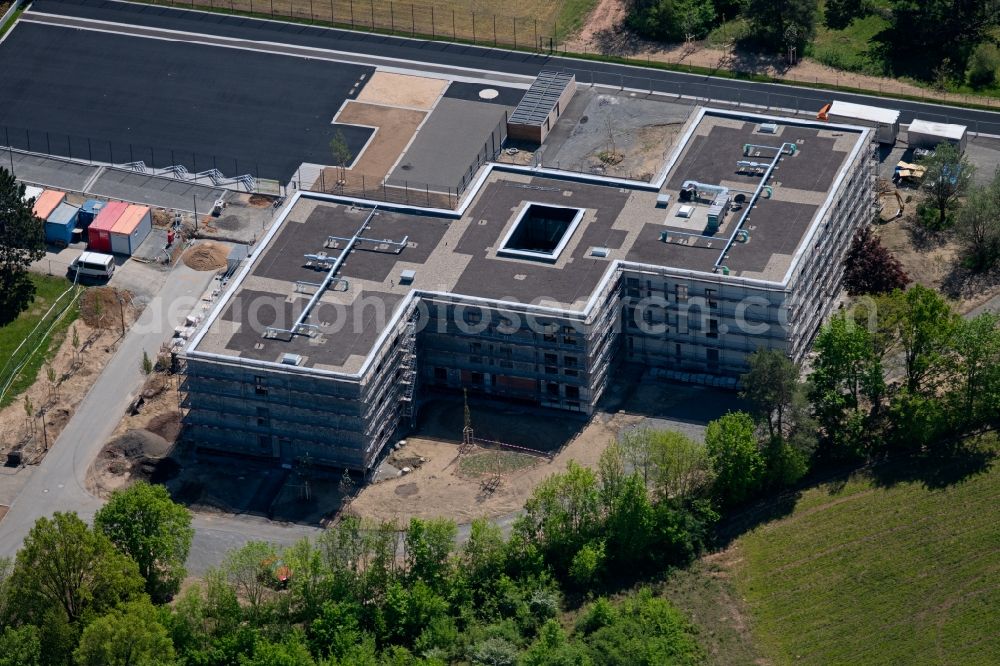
x: 494, y: 30
x: 413, y: 21
x: 433, y: 29
x: 454, y: 34
x: 473, y: 27
x: 373, y: 13
x: 392, y: 18
x: 514, y: 21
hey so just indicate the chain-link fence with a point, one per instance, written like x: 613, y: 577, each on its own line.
x: 437, y: 21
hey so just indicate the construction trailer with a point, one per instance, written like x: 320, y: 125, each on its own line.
x: 31, y: 192
x: 90, y: 209
x: 535, y: 292
x: 99, y: 232
x: 885, y: 120
x: 60, y: 225
x: 47, y: 202
x: 542, y: 105
x: 928, y: 135
x: 130, y: 230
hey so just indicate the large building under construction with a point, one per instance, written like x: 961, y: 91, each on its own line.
x: 534, y: 290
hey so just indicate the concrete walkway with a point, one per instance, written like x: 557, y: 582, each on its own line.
x: 58, y: 483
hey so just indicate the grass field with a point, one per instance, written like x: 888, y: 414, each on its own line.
x: 850, y: 48
x: 488, y: 462
x: 510, y: 22
x: 865, y: 574
x: 47, y: 289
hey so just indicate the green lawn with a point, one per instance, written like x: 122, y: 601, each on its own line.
x: 863, y: 574
x: 849, y: 49
x: 47, y: 289
x: 488, y: 462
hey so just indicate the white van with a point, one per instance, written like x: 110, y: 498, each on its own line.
x: 93, y: 265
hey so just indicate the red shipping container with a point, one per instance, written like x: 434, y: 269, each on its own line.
x: 99, y: 232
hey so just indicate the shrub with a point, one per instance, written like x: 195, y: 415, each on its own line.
x: 983, y: 65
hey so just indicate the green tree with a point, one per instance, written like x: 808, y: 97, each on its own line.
x: 774, y: 22
x: 838, y: 14
x: 671, y: 20
x: 736, y: 460
x: 493, y: 652
x: 978, y: 226
x: 65, y: 565
x: 482, y: 558
x: 770, y: 386
x: 248, y: 571
x: 946, y: 180
x: 129, y: 636
x: 341, y: 151
x: 644, y: 631
x: 683, y: 470
x: 585, y: 569
x: 20, y: 646
x: 428, y: 550
x: 926, y: 32
x: 846, y: 385
x: 922, y: 323
x: 145, y: 524
x: 562, y: 514
x: 983, y: 65
x: 290, y: 651
x: 22, y: 241
x: 975, y: 395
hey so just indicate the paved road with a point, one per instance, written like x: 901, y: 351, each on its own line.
x: 403, y: 52
x: 58, y: 483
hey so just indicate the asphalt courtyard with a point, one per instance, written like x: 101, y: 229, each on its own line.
x: 432, y: 55
x: 199, y: 106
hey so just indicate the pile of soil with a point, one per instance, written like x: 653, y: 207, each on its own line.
x: 166, y: 425
x: 261, y: 200
x: 100, y: 307
x: 162, y: 219
x: 207, y: 256
x: 138, y: 444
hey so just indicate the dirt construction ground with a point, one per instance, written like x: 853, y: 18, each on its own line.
x: 396, y: 128
x: 402, y: 90
x: 439, y: 488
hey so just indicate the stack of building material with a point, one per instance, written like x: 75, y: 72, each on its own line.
x: 99, y: 233
x: 131, y: 229
x: 60, y: 224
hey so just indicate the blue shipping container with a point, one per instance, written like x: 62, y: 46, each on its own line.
x: 89, y: 211
x: 59, y: 226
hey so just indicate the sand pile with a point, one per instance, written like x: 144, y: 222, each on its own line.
x: 207, y: 256
x: 137, y: 444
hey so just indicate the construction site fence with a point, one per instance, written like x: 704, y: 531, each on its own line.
x: 412, y: 19
x: 132, y: 156
x: 347, y: 183
x: 35, y: 340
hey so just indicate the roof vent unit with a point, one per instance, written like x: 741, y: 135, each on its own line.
x: 599, y: 251
x: 291, y: 359
x: 769, y: 128
x: 685, y: 211
x: 407, y: 276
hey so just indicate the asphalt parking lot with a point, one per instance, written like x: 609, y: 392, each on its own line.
x: 203, y: 107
